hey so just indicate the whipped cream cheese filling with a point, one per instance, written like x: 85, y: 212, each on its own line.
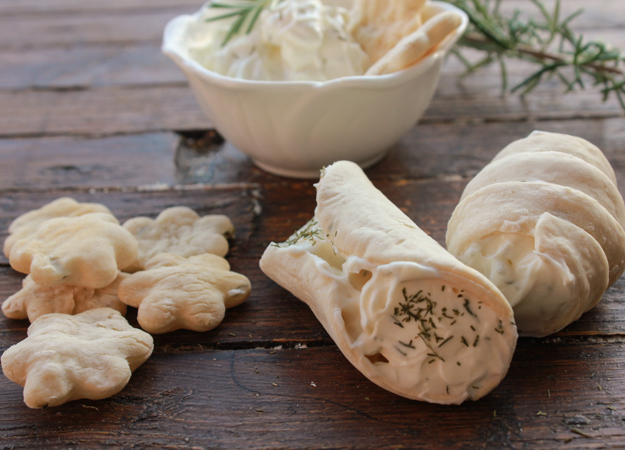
x: 525, y: 277
x: 408, y: 327
x: 295, y: 40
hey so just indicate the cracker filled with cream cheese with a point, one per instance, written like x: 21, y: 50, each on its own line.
x: 544, y: 222
x: 406, y: 313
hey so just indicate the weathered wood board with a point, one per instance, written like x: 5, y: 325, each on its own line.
x: 90, y: 108
x: 313, y: 398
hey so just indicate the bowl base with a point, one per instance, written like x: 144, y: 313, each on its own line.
x: 312, y: 174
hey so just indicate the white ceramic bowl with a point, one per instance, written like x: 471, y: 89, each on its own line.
x: 294, y: 128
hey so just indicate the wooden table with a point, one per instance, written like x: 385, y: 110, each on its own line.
x: 89, y: 108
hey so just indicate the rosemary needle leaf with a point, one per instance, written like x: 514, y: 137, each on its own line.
x: 259, y: 9
x: 223, y: 16
x: 546, y: 41
x: 242, y: 10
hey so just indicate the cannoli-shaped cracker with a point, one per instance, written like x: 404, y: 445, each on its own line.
x: 406, y: 313
x: 544, y: 221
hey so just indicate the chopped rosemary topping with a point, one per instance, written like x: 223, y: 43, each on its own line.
x: 464, y: 341
x: 447, y: 389
x: 499, y: 328
x: 426, y: 342
x: 409, y: 344
x: 467, y: 306
x: 412, y: 309
x: 436, y: 355
x: 445, y: 314
x: 458, y: 362
x: 443, y: 290
x: 445, y: 341
x: 477, y: 338
x: 310, y: 233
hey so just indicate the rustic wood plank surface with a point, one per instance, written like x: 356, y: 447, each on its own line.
x: 90, y: 108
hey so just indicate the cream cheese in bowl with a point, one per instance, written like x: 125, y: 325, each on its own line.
x: 300, y: 40
x: 293, y: 94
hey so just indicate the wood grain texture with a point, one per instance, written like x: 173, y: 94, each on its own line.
x: 55, y: 7
x: 88, y: 106
x: 141, y: 64
x: 103, y: 111
x: 459, y: 150
x: 606, y: 13
x: 123, y: 85
x: 99, y: 111
x: 132, y: 160
x: 227, y: 399
x: 87, y: 66
x: 456, y: 150
x: 74, y: 29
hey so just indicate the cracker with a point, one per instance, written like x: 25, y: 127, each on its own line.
x: 181, y: 231
x: 189, y: 293
x: 85, y: 251
x: 90, y: 355
x: 378, y: 25
x: 415, y: 46
x: 26, y: 224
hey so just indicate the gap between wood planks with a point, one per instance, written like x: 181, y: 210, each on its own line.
x: 156, y: 187
x: 326, y: 341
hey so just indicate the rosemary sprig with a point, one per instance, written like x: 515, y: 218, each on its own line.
x: 245, y: 11
x: 546, y: 41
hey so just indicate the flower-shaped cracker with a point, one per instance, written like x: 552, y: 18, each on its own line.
x: 85, y: 251
x: 34, y: 300
x: 28, y: 223
x: 191, y: 293
x: 89, y: 355
x: 181, y: 231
